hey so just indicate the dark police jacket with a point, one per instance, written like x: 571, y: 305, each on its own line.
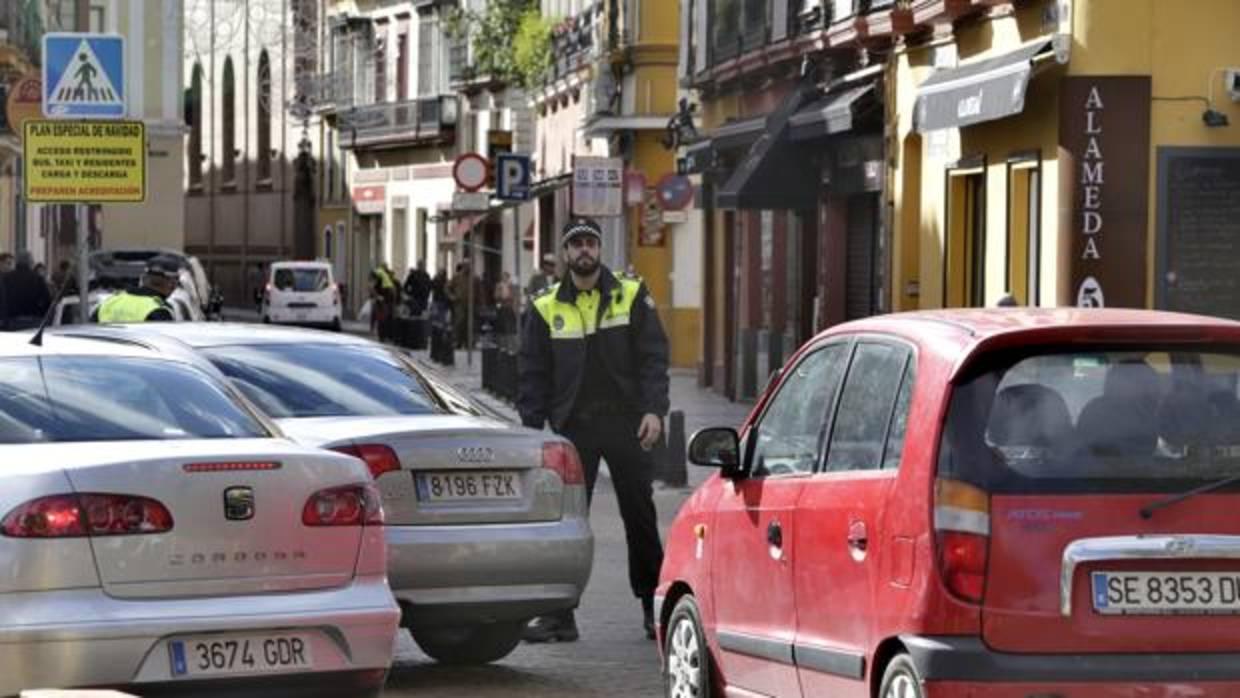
x: 632, y: 346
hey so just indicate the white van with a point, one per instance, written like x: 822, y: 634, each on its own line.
x: 302, y: 293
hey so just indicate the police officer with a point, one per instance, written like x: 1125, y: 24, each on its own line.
x: 594, y: 365
x: 148, y: 302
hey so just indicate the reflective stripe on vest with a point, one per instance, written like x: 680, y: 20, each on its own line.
x: 126, y: 307
x: 568, y: 321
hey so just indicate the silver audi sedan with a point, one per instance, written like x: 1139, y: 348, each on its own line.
x: 157, y: 533
x: 487, y: 522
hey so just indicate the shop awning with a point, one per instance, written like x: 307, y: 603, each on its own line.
x: 774, y: 174
x: 978, y: 91
x: 738, y: 134
x: 835, y: 113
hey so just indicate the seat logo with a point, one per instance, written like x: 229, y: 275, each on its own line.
x: 475, y: 454
x: 239, y: 503
x: 1181, y: 547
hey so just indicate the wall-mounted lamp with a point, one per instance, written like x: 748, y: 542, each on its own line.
x: 1214, y: 118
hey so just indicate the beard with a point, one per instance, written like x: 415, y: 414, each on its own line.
x: 584, y: 265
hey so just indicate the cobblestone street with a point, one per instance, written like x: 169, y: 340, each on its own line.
x: 612, y: 658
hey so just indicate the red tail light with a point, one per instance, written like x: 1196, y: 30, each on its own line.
x: 379, y: 459
x: 962, y: 525
x: 70, y: 516
x: 351, y: 505
x: 563, y: 459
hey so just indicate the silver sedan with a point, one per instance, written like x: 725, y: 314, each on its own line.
x: 154, y: 533
x: 487, y: 522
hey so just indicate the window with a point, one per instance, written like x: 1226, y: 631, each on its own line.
x: 428, y: 28
x: 381, y: 38
x: 859, y: 433
x: 325, y: 380
x: 193, y: 111
x: 402, y: 66
x: 964, y: 272
x: 101, y: 398
x: 230, y: 125
x: 301, y: 279
x: 894, y: 449
x: 264, y: 117
x: 789, y: 435
x: 1024, y: 230
x: 1097, y: 420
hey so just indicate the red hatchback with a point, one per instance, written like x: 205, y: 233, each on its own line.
x: 1005, y: 503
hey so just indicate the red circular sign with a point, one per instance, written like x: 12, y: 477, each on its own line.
x: 25, y: 102
x: 675, y: 192
x: 470, y: 171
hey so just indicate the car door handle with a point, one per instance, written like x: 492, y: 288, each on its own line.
x: 858, y: 537
x: 775, y: 534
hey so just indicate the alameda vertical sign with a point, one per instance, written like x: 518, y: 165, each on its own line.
x: 1104, y: 127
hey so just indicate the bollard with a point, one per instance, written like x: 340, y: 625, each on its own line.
x: 672, y: 467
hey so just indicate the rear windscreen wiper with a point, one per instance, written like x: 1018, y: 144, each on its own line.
x: 1148, y: 510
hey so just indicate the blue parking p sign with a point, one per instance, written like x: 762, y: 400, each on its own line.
x: 83, y: 76
x: 512, y: 179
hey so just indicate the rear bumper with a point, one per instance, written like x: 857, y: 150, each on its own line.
x: 455, y: 575
x: 967, y: 660
x: 82, y: 637
x: 303, y: 316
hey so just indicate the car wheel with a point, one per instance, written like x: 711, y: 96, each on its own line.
x: 335, y: 324
x: 686, y: 656
x: 266, y: 319
x: 478, y: 644
x: 901, y: 679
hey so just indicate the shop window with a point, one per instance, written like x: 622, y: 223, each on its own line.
x: 230, y: 125
x: 1024, y: 228
x: 264, y: 117
x: 193, y: 111
x: 964, y: 268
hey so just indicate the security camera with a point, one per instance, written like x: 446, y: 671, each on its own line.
x: 1231, y: 79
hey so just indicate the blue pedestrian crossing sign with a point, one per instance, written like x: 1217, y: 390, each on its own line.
x: 83, y: 76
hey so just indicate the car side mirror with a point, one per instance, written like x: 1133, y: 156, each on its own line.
x: 718, y: 447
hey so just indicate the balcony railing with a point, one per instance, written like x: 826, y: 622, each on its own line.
x: 396, y: 123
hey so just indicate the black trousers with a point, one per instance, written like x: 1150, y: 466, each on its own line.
x: 632, y: 470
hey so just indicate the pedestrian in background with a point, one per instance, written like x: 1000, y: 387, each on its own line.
x: 418, y: 289
x: 27, y: 295
x: 543, y: 277
x: 506, y: 309
x: 458, y: 289
x: 148, y: 302
x: 6, y: 263
x: 593, y: 365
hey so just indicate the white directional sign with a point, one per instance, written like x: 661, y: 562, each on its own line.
x: 512, y: 179
x: 83, y: 76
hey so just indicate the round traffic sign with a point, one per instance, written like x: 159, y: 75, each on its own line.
x: 675, y: 192
x: 470, y: 171
x: 25, y: 102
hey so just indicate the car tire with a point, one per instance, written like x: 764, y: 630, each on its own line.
x: 901, y: 679
x: 686, y: 654
x: 478, y: 644
x: 266, y: 319
x: 335, y: 324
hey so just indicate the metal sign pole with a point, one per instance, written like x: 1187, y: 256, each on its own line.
x: 469, y: 312
x: 83, y: 262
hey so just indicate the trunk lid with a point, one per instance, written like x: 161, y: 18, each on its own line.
x: 206, y: 552
x: 455, y: 469
x: 1104, y: 545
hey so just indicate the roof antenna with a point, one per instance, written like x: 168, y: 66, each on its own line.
x: 37, y: 339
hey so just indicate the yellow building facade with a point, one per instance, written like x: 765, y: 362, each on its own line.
x: 1103, y: 174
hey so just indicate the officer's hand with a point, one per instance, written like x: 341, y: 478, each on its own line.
x: 649, y: 431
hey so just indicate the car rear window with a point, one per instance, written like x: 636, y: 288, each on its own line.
x: 1106, y: 420
x: 324, y: 380
x: 302, y: 280
x: 68, y: 399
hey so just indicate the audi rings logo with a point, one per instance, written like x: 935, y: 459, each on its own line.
x: 475, y: 454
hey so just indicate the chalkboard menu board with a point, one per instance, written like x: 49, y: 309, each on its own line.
x: 1199, y: 230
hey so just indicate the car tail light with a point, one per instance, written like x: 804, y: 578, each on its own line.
x: 351, y: 505
x: 76, y: 515
x: 267, y: 294
x: 379, y: 459
x: 563, y: 459
x: 335, y: 294
x: 962, y: 528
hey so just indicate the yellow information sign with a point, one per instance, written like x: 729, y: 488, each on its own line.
x: 84, y: 161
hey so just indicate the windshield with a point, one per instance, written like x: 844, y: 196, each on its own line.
x: 324, y: 380
x: 67, y: 399
x: 303, y: 280
x: 1109, y: 420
